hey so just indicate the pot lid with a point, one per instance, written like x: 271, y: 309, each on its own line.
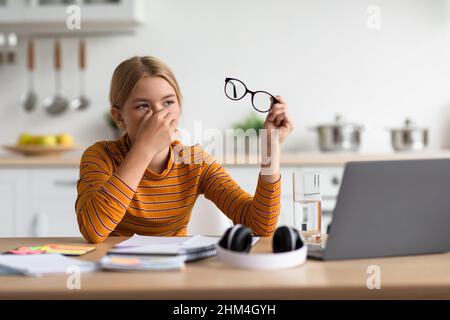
x: 409, y: 125
x: 338, y: 122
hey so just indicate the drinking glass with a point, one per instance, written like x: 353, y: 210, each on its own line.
x: 307, y: 204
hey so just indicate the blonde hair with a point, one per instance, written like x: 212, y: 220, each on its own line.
x: 131, y: 70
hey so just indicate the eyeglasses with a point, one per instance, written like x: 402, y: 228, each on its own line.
x: 262, y: 101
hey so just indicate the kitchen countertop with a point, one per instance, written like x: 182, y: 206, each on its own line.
x: 287, y: 158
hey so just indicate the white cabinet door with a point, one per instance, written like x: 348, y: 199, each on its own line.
x: 207, y: 219
x: 53, y: 201
x: 14, y: 199
x: 330, y: 179
x: 245, y: 176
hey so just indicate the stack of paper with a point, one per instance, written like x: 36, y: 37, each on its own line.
x: 42, y: 264
x: 189, y: 248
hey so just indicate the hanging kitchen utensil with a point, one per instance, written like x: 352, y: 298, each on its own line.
x: 2, y: 46
x: 12, y: 47
x: 81, y: 102
x: 30, y: 98
x: 56, y: 104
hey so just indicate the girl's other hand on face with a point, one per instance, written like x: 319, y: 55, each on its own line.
x: 156, y: 130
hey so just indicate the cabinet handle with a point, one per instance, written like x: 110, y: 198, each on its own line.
x: 33, y: 3
x: 336, y: 181
x: 39, y: 225
x: 65, y: 183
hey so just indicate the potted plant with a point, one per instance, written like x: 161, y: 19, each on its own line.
x: 252, y: 121
x: 112, y: 124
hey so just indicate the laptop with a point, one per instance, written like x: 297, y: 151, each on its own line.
x: 390, y: 208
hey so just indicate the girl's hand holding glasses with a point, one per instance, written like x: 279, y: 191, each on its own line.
x: 279, y: 118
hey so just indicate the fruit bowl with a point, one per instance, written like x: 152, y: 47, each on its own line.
x: 36, y: 150
x: 42, y: 145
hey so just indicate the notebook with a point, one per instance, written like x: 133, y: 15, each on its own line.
x: 141, y: 263
x: 190, y: 248
x: 42, y: 264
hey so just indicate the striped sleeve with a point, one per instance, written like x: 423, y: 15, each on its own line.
x: 259, y: 212
x: 103, y: 197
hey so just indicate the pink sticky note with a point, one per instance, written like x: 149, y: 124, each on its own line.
x: 26, y: 250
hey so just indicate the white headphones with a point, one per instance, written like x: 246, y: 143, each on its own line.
x: 234, y: 246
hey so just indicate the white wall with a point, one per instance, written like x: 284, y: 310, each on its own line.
x: 318, y: 54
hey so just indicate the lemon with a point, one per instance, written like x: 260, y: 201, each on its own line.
x: 65, y: 139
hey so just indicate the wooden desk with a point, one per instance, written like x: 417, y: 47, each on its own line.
x: 403, y: 277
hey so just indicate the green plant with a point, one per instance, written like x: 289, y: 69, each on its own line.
x: 252, y: 121
x: 109, y: 119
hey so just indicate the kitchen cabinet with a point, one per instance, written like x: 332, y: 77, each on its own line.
x: 13, y: 188
x: 54, y: 16
x: 38, y: 202
x: 38, y: 194
x: 53, y: 195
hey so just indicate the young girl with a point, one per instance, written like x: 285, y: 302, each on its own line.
x: 134, y: 185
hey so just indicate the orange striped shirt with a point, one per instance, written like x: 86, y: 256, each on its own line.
x: 162, y: 203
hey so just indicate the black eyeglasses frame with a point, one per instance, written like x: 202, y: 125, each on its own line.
x: 274, y: 100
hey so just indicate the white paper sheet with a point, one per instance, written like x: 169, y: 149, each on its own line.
x: 42, y: 264
x: 137, y: 240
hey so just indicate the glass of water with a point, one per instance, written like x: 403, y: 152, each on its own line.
x: 307, y: 204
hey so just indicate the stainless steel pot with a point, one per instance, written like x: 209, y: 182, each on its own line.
x: 339, y: 136
x: 409, y: 137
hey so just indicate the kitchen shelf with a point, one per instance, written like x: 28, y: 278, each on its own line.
x: 312, y: 159
x: 48, y: 17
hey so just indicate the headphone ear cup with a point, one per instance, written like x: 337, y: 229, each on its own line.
x: 239, y: 239
x: 286, y: 239
x: 242, y: 240
x: 224, y: 240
